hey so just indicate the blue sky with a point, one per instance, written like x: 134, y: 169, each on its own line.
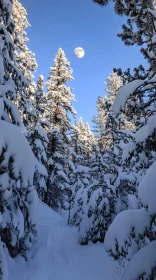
x: 72, y: 23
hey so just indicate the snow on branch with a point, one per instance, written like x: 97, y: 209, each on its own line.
x: 119, y: 233
x: 127, y: 90
x: 144, y: 132
x: 123, y: 94
x: 142, y: 263
x: 147, y: 190
x: 18, y: 148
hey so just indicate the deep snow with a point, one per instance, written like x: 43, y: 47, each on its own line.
x: 58, y: 256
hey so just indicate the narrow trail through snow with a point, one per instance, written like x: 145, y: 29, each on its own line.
x: 58, y: 256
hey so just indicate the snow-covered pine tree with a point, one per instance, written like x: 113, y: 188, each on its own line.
x: 17, y: 162
x: 103, y: 105
x: 95, y: 205
x: 59, y: 105
x: 137, y: 241
x: 102, y: 203
x: 59, y: 95
x: 89, y: 141
x: 99, y: 118
x: 38, y: 138
x: 80, y: 180
x: 77, y: 140
x: 103, y: 135
x: 58, y: 185
x: 98, y: 200
x: 125, y: 183
x: 24, y: 57
x: 85, y: 138
x: 26, y: 62
x: 80, y: 176
x: 112, y: 136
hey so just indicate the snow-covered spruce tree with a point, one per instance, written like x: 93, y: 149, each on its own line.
x: 17, y: 162
x: 113, y: 83
x: 80, y: 176
x: 26, y: 62
x: 59, y: 105
x: 89, y: 141
x: 102, y: 203
x: 59, y: 96
x: 24, y: 57
x: 125, y: 183
x: 38, y: 138
x: 85, y: 138
x: 103, y: 135
x: 139, y: 225
x: 80, y: 180
x: 136, y: 242
x: 98, y: 200
x: 77, y: 140
x: 58, y: 183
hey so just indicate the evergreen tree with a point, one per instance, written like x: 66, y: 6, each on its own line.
x: 59, y: 96
x: 58, y: 181
x: 80, y: 177
x: 97, y: 203
x: 25, y: 59
x: 99, y: 200
x: 105, y: 190
x: 104, y: 105
x: 38, y: 138
x: 17, y: 162
x: 26, y: 62
x: 138, y: 237
x: 85, y: 138
x: 59, y: 104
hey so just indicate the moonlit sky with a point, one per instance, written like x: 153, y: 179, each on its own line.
x: 79, y: 23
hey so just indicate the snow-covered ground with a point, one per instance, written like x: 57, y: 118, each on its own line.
x: 58, y: 256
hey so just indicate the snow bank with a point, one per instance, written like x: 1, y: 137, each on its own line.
x: 147, y: 189
x: 122, y: 226
x: 123, y: 94
x: 58, y: 255
x: 141, y: 264
x: 3, y: 262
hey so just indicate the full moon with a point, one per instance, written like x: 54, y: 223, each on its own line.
x: 79, y: 52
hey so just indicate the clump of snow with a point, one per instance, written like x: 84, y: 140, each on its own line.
x: 128, y: 149
x: 82, y: 168
x: 147, y: 189
x: 120, y: 230
x: 144, y: 132
x: 7, y: 89
x: 40, y: 168
x: 17, y: 147
x: 142, y: 263
x: 123, y: 94
x: 13, y: 110
x: 63, y: 175
x: 124, y: 176
x: 133, y: 202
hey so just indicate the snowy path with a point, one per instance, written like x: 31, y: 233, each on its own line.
x: 58, y: 256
